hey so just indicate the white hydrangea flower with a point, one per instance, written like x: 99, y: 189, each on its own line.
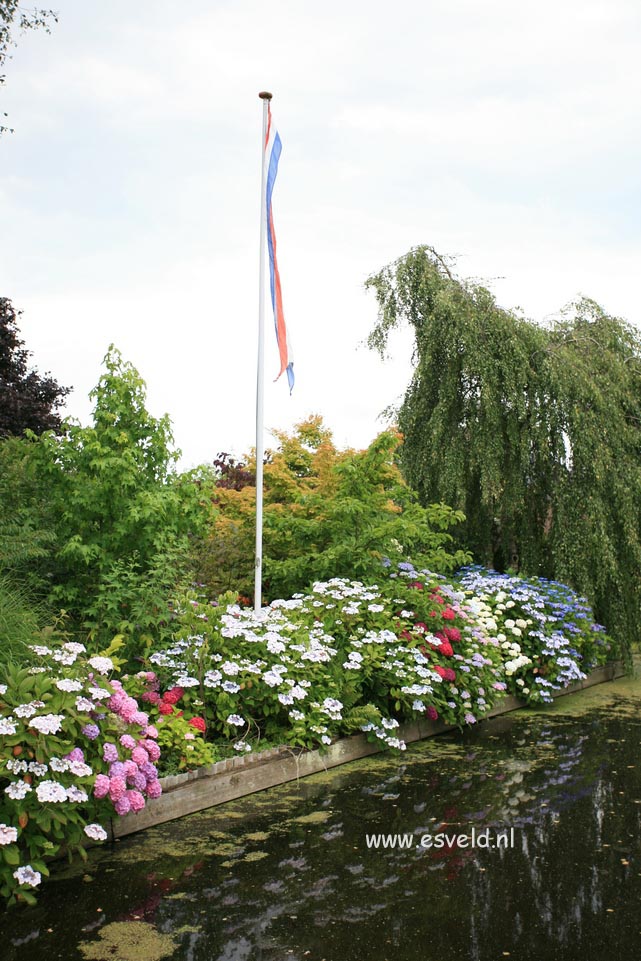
x: 95, y: 832
x: 65, y: 657
x: 17, y: 790
x: 68, y: 684
x: 26, y: 875
x: 236, y: 720
x: 16, y: 766
x: 84, y: 704
x: 58, y: 764
x: 8, y: 835
x: 48, y: 723
x: 37, y: 769
x: 8, y: 725
x: 77, y: 794
x: 104, y: 665
x: 40, y: 650
x: 80, y: 769
x: 28, y: 710
x: 51, y: 791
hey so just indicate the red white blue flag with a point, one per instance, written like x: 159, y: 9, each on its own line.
x: 273, y: 149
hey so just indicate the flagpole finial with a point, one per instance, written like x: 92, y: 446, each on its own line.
x: 265, y: 95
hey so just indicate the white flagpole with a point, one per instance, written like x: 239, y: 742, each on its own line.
x: 260, y: 380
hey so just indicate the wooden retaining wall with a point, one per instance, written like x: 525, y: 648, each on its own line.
x: 239, y: 776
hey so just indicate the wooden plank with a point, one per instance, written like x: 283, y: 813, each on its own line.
x: 236, y: 777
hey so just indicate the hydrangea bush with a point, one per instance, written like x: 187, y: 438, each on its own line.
x: 181, y: 733
x: 76, y: 748
x: 547, y: 632
x: 344, y: 657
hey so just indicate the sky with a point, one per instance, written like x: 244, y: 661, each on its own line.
x: 507, y: 135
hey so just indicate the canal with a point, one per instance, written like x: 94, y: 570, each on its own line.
x: 294, y: 872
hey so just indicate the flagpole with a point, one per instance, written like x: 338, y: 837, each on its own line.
x: 260, y: 380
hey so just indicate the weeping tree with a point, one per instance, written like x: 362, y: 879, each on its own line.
x: 533, y: 432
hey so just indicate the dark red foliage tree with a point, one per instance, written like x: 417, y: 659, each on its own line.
x: 28, y: 401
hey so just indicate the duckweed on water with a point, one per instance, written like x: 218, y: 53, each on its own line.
x: 129, y: 941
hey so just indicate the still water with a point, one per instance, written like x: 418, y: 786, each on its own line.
x: 287, y: 874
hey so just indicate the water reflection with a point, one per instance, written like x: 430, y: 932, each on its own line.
x: 288, y: 874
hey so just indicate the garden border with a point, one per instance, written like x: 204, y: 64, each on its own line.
x: 239, y: 776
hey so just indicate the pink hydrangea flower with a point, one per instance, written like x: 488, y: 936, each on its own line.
x: 139, y: 717
x: 117, y: 788
x: 131, y: 769
x: 139, y: 755
x: 151, y: 731
x: 128, y: 742
x: 128, y: 708
x: 122, y: 806
x: 109, y: 753
x: 136, y: 800
x: 116, y: 702
x: 152, y: 749
x: 139, y: 782
x: 101, y: 786
x: 154, y: 788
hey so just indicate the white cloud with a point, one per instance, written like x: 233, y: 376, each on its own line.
x: 505, y: 134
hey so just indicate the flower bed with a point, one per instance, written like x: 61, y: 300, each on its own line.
x: 345, y: 658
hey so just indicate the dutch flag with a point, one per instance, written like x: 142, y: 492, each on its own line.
x: 273, y: 149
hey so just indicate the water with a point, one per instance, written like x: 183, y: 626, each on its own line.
x: 287, y: 874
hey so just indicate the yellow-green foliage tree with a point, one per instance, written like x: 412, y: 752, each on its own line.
x: 327, y: 513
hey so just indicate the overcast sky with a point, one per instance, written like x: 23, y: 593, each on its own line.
x: 507, y: 134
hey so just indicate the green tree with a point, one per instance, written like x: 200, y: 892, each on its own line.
x: 327, y: 513
x: 533, y: 432
x: 122, y: 516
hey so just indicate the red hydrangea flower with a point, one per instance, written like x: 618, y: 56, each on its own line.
x: 452, y: 634
x: 166, y: 708
x: 173, y: 695
x: 448, y: 614
x: 444, y: 647
x: 432, y: 713
x: 152, y: 697
x: 198, y: 723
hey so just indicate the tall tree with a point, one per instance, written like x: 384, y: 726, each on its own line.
x: 28, y: 401
x: 534, y: 432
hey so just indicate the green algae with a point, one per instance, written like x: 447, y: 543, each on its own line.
x: 256, y: 836
x: 256, y: 856
x: 315, y: 817
x: 129, y: 941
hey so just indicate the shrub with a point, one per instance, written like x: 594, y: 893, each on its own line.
x: 75, y: 749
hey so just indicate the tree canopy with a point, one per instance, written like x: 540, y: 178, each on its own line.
x: 533, y: 432
x: 327, y: 513
x: 28, y: 401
